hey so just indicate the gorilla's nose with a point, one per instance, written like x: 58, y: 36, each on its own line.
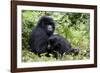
x: 50, y: 28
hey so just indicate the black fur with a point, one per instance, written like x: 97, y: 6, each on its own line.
x: 40, y: 34
x: 57, y: 43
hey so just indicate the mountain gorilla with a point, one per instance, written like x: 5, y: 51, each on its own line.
x: 58, y: 44
x: 40, y: 34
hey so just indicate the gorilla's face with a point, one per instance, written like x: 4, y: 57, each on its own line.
x: 47, y: 23
x: 49, y: 28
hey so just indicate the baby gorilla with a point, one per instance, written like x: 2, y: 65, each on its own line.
x: 58, y: 44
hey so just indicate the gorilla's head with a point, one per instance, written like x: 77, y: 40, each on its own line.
x: 47, y: 23
x: 54, y: 42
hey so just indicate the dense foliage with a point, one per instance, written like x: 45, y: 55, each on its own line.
x: 72, y: 26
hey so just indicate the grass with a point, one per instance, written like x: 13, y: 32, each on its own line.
x: 28, y: 56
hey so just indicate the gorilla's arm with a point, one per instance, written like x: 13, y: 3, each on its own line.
x: 38, y: 41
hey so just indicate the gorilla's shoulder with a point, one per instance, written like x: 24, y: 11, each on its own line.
x: 38, y: 32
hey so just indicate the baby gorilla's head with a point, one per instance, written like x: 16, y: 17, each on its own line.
x: 53, y: 42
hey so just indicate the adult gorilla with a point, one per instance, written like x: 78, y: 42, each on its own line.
x: 40, y: 34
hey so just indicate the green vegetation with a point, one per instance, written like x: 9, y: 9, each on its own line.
x: 72, y: 26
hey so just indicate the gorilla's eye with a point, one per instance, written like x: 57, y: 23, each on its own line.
x: 49, y: 23
x: 46, y: 23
